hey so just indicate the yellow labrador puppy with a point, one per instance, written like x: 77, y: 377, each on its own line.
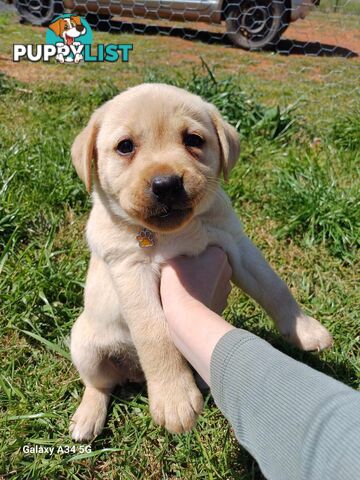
x: 157, y: 153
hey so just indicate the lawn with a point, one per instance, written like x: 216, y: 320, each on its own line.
x: 295, y: 187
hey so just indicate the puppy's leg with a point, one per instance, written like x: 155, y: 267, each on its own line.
x: 175, y: 400
x: 89, y: 419
x: 99, y: 375
x: 101, y: 349
x: 254, y: 275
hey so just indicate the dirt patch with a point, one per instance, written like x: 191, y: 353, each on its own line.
x: 34, y: 72
x: 324, y: 33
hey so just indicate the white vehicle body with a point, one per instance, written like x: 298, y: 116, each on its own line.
x: 209, y: 11
x: 250, y: 24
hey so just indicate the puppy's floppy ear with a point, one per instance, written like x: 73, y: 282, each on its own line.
x: 76, y: 19
x: 229, y: 142
x: 57, y: 27
x: 83, y: 150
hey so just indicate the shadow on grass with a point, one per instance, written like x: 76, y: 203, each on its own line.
x: 283, y: 47
x: 339, y: 370
x: 239, y: 460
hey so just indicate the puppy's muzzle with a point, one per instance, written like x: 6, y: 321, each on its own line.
x: 168, y: 189
x: 170, y: 205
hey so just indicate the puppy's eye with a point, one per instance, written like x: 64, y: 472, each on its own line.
x: 125, y: 147
x: 192, y: 140
x: 66, y: 26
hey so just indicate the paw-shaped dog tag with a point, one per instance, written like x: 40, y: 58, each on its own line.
x: 145, y: 238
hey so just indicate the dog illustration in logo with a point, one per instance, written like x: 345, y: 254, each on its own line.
x: 68, y: 29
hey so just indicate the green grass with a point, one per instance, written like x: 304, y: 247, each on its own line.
x: 251, y: 118
x: 348, y: 7
x: 296, y: 190
x: 346, y: 131
x: 313, y: 205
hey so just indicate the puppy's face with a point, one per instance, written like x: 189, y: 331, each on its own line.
x: 68, y: 28
x: 159, y: 152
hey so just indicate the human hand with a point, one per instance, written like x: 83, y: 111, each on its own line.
x: 205, y: 278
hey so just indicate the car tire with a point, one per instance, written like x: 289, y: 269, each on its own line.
x: 255, y: 24
x: 39, y: 12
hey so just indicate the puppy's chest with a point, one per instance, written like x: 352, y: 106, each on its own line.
x: 191, y: 241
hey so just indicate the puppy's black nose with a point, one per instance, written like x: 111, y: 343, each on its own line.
x: 167, y: 188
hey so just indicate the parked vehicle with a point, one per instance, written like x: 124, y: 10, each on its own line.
x: 250, y: 24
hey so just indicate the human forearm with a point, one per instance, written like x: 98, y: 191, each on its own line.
x: 287, y: 415
x: 185, y: 290
x: 195, y: 331
x: 299, y: 424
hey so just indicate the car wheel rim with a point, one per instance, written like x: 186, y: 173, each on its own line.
x: 254, y: 19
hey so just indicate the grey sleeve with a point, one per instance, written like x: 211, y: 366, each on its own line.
x: 295, y: 421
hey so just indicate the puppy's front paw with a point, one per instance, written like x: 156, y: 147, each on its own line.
x: 175, y: 405
x: 89, y: 419
x: 308, y: 334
